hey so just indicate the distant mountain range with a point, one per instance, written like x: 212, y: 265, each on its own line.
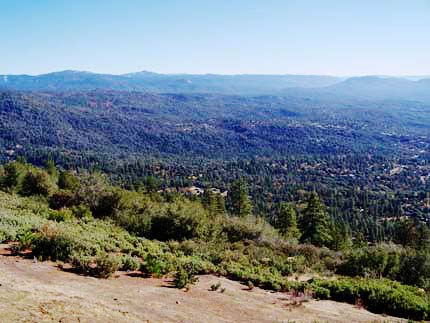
x: 379, y: 88
x: 173, y: 83
x: 368, y: 87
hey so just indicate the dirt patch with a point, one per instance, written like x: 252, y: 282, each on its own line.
x: 34, y: 291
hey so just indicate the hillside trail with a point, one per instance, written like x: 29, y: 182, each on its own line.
x: 32, y: 291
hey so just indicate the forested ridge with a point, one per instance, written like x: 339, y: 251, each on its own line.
x: 367, y: 159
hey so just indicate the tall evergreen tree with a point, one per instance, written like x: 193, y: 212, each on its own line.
x: 220, y: 204
x: 286, y: 221
x: 315, y: 223
x: 11, y: 174
x: 68, y: 181
x: 239, y: 199
x: 210, y: 202
x: 406, y: 233
x: 341, y: 236
x: 360, y: 241
x: 51, y: 168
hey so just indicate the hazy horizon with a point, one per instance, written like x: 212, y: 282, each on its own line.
x: 308, y: 37
x: 218, y: 74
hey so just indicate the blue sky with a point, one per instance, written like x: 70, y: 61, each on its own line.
x: 349, y: 37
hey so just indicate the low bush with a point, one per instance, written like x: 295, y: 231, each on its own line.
x: 101, y: 266
x: 59, y: 240
x: 82, y: 211
x: 130, y: 263
x: 250, y: 285
x: 106, y: 265
x: 180, y: 222
x: 61, y: 199
x: 36, y: 182
x: 60, y: 215
x: 321, y: 292
x: 215, y: 287
x: 26, y: 239
x: 238, y: 229
x: 377, y: 295
x: 184, y: 278
x: 51, y: 244
x: 374, y: 262
x: 155, y: 264
x: 81, y: 263
x: 68, y: 181
x: 15, y: 221
x: 414, y: 269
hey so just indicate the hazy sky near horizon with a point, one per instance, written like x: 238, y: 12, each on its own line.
x: 337, y: 37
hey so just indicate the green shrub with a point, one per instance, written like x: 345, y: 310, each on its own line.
x: 68, y: 181
x: 215, y: 287
x: 184, y: 278
x: 109, y: 201
x: 51, y: 244
x: 195, y: 264
x: 377, y: 295
x: 26, y: 239
x: 12, y: 173
x: 106, y: 265
x: 82, y: 211
x: 179, y: 222
x: 36, y: 182
x: 81, y: 263
x: 155, y: 265
x: 250, y: 285
x: 415, y: 269
x: 310, y: 253
x: 16, y: 218
x: 61, y: 199
x: 59, y: 240
x: 321, y: 292
x: 60, y: 215
x: 237, y: 229
x: 373, y: 262
x: 265, y: 277
x: 130, y: 263
x: 101, y: 266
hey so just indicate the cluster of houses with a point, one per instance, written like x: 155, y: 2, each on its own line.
x: 11, y: 151
x: 196, y: 191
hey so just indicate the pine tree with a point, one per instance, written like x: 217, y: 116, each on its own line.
x: 360, y: 241
x: 220, y: 204
x: 11, y: 174
x: 240, y: 203
x: 286, y: 221
x: 315, y: 223
x: 51, y: 168
x: 210, y: 202
x: 341, y: 236
x: 406, y: 233
x: 68, y: 181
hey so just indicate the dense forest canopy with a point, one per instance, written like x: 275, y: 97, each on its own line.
x: 367, y: 159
